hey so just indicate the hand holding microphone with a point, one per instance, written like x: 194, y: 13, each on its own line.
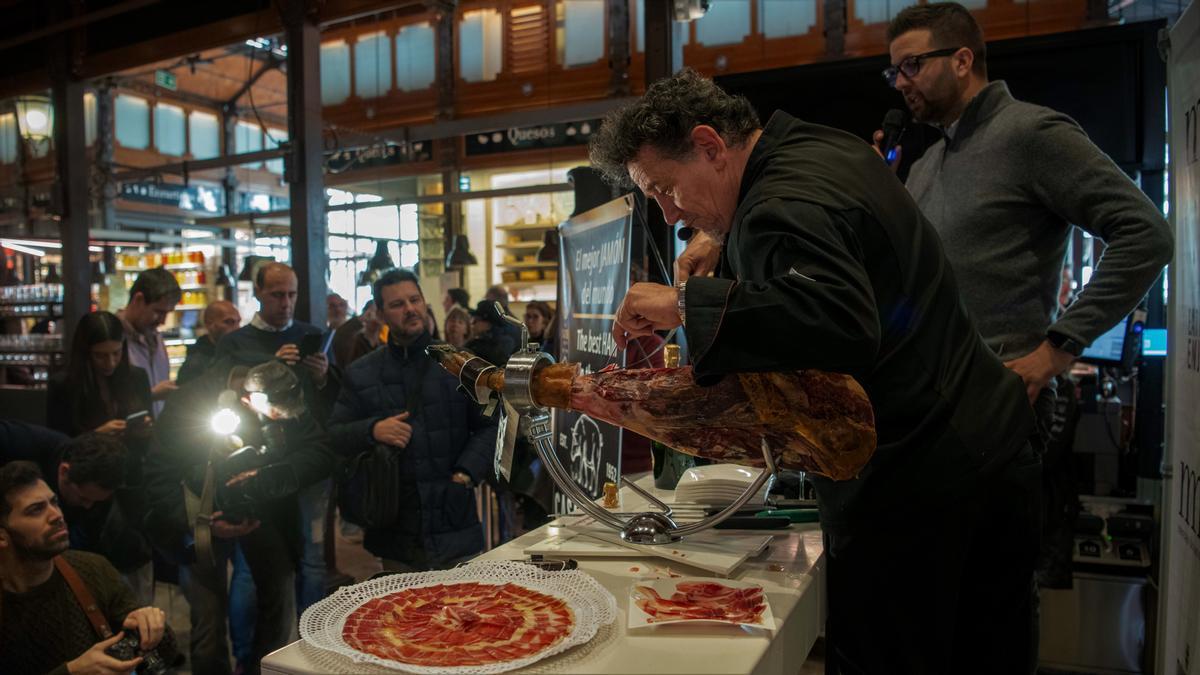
x: 887, y: 140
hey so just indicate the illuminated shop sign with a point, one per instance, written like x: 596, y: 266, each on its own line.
x: 184, y: 197
x: 562, y: 134
x: 375, y: 156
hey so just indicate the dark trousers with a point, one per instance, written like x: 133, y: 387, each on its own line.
x: 949, y: 591
x: 272, y: 564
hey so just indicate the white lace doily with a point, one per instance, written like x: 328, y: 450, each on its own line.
x: 592, y: 604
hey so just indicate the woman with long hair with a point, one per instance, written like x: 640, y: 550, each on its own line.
x: 98, y: 391
x: 457, y: 326
x: 540, y: 321
x: 99, y: 388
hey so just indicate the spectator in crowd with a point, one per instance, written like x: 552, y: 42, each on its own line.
x: 273, y: 333
x: 153, y: 296
x: 337, y: 311
x: 84, y: 472
x: 357, y: 336
x: 220, y: 319
x: 456, y: 297
x: 538, y: 317
x: 262, y: 514
x: 498, y: 294
x: 458, y: 327
x: 431, y: 323
x: 100, y: 386
x: 101, y: 391
x: 43, y: 624
x: 490, y: 338
x: 397, y: 397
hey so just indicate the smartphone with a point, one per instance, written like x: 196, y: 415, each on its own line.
x: 136, y: 421
x: 310, y: 344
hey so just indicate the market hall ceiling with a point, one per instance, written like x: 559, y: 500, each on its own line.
x: 119, y: 35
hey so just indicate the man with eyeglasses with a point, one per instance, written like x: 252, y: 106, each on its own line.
x: 1002, y: 188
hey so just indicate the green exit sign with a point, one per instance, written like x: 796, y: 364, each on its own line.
x: 164, y: 79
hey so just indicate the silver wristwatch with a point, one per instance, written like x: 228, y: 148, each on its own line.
x: 681, y: 303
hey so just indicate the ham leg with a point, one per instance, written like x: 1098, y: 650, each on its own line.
x: 814, y: 421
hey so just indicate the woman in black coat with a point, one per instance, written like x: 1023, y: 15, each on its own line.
x: 98, y: 391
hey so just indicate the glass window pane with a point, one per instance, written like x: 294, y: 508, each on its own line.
x: 169, y: 137
x: 339, y: 197
x: 89, y: 118
x: 786, y: 18
x: 342, y: 278
x: 372, y: 65
x: 341, y: 247
x: 409, y: 222
x: 205, y: 135
x: 335, y: 72
x: 132, y: 121
x: 341, y: 222
x: 415, y: 57
x: 8, y: 138
x: 364, y: 246
x: 382, y: 222
x: 479, y: 49
x: 583, y: 32
x: 273, y: 138
x: 410, y: 254
x: 247, y: 138
x: 879, y: 11
x: 726, y: 23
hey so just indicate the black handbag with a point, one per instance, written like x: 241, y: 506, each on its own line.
x: 372, y: 492
x: 371, y: 489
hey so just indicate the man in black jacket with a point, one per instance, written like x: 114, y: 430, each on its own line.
x: 220, y: 319
x: 828, y: 264
x: 397, y: 397
x: 262, y: 516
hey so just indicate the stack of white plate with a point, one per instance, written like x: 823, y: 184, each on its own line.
x: 719, y: 484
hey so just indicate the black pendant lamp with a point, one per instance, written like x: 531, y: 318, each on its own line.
x: 460, y: 253
x: 251, y: 265
x: 377, y: 265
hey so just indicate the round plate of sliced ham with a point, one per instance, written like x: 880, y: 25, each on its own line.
x: 485, y: 617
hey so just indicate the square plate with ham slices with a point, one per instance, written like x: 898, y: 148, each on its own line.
x: 658, y: 602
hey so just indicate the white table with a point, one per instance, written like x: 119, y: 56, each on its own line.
x: 791, y: 571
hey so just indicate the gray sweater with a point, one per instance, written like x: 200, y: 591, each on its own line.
x: 1003, y: 190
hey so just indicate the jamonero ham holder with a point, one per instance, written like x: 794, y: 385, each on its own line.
x: 807, y: 420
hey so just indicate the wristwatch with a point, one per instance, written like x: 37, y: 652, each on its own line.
x: 1066, y: 344
x: 681, y: 303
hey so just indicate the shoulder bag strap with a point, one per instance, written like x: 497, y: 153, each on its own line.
x: 84, y: 596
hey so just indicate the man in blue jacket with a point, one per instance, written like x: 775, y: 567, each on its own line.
x: 397, y: 397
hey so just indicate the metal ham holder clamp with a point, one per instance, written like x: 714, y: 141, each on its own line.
x: 516, y: 403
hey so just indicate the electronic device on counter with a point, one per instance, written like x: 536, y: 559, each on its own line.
x: 1119, y: 346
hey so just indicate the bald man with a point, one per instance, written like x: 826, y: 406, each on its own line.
x: 220, y: 318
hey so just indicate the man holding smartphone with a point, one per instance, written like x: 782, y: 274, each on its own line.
x: 274, y: 333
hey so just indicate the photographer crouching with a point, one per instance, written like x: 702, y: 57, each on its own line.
x: 234, y: 448
x: 58, y: 607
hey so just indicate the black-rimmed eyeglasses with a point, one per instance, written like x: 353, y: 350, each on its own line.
x: 911, y: 65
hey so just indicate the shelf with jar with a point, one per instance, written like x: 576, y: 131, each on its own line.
x: 190, y: 269
x: 28, y: 358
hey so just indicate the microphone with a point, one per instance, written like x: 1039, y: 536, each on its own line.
x: 893, y: 129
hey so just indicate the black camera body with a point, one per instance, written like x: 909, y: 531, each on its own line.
x: 274, y: 478
x: 130, y: 647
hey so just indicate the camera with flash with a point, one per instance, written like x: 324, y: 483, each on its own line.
x: 251, y: 439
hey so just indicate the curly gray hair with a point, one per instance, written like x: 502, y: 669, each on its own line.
x: 664, y: 117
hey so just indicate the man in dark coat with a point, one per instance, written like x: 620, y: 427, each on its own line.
x: 492, y: 338
x: 220, y: 319
x: 397, y: 397
x: 267, y: 530
x: 827, y: 263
